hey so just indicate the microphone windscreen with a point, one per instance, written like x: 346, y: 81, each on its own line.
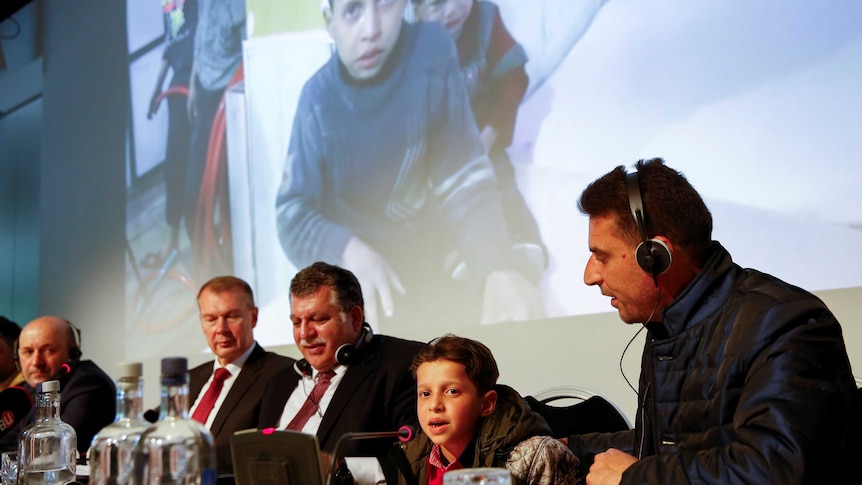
x: 406, y: 433
x: 15, y: 403
x: 151, y: 415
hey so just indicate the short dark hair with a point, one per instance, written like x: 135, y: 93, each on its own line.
x: 346, y: 291
x: 475, y: 356
x: 228, y: 283
x: 9, y: 331
x: 672, y: 207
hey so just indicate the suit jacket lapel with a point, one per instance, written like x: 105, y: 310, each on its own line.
x: 197, y: 379
x: 350, y: 385
x: 247, y: 375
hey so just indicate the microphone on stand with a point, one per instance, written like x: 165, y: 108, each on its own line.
x: 15, y: 404
x: 403, y: 434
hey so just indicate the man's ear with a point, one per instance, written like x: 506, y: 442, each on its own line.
x: 489, y: 403
x: 356, y: 317
x: 667, y: 243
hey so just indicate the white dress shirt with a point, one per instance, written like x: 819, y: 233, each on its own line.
x: 234, y: 367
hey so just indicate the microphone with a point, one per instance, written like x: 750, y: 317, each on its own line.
x: 151, y: 415
x: 404, y: 433
x: 15, y: 404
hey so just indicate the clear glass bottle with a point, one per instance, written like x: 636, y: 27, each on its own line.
x: 175, y: 450
x: 111, y: 450
x: 47, y: 448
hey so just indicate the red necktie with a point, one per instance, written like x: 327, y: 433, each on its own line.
x: 312, y: 403
x: 207, y: 403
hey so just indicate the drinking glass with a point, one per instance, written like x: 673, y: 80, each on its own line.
x: 9, y: 467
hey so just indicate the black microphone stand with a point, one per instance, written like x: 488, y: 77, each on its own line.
x: 339, y: 476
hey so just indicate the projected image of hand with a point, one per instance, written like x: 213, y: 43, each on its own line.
x: 509, y: 296
x: 377, y: 278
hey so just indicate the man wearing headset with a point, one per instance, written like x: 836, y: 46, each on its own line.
x: 49, y: 348
x: 744, y: 378
x: 371, y: 388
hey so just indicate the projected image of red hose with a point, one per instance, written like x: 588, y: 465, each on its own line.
x: 213, y: 242
x: 171, y: 91
x: 144, y: 294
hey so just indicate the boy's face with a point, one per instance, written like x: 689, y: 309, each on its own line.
x: 365, y: 32
x: 449, y: 406
x: 451, y: 13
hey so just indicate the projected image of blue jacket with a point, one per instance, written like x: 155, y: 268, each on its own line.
x: 395, y: 161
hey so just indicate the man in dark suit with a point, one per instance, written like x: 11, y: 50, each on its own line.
x: 369, y: 385
x: 48, y: 349
x: 228, y: 316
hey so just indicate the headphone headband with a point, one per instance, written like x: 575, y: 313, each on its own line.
x: 652, y: 255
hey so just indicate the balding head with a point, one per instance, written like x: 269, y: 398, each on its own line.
x: 43, y: 347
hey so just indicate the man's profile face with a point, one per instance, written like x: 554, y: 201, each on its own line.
x: 612, y: 266
x: 365, y: 33
x: 320, y: 327
x: 227, y: 319
x: 43, y: 348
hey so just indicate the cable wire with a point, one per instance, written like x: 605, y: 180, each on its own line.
x: 643, y: 326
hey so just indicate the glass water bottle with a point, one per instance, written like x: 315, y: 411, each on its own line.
x: 47, y: 448
x: 111, y: 450
x: 175, y: 450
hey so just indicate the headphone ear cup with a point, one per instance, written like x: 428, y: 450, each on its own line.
x: 344, y: 354
x: 653, y: 256
x: 75, y: 355
x: 302, y: 367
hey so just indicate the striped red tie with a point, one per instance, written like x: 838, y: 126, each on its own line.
x: 312, y: 403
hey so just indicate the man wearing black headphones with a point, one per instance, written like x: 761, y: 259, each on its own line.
x: 744, y: 378
x: 49, y: 348
x: 368, y: 385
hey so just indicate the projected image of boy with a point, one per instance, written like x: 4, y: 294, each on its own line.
x: 492, y: 64
x: 386, y: 175
x: 466, y: 419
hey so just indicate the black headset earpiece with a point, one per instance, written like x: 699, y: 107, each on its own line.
x: 75, y: 347
x: 344, y: 355
x: 303, y: 368
x: 652, y: 255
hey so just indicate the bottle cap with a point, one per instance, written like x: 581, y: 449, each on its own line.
x: 49, y: 386
x: 175, y: 370
x: 130, y: 375
x: 130, y: 370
